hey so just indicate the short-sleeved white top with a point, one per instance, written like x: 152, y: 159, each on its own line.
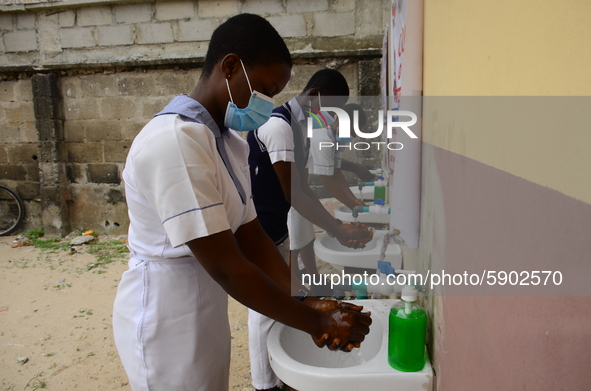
x: 324, y: 155
x: 178, y: 188
x: 277, y: 136
x: 321, y: 160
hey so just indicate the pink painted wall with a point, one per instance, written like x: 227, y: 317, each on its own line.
x: 475, y: 218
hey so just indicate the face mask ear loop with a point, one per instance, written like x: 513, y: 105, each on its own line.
x: 246, y: 74
x: 228, y: 85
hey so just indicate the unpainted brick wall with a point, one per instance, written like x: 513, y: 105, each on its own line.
x: 119, y: 64
x: 103, y: 113
x: 19, y: 168
x: 54, y: 34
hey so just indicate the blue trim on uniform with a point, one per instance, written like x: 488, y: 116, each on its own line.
x: 192, y: 210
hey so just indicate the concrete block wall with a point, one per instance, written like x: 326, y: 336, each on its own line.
x: 103, y: 113
x: 119, y: 64
x: 19, y: 165
x: 51, y: 35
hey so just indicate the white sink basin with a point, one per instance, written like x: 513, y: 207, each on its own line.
x: 330, y: 250
x: 299, y: 363
x: 343, y: 213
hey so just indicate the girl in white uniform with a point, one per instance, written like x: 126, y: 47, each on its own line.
x: 193, y: 234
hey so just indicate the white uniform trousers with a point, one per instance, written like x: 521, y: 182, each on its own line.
x: 259, y: 326
x: 170, y: 322
x: 301, y: 230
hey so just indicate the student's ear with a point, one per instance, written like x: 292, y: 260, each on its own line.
x: 313, y: 91
x: 230, y: 65
x: 312, y: 94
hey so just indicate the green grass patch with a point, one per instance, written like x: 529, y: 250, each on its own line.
x: 34, y: 233
x: 52, y: 244
x: 106, y: 253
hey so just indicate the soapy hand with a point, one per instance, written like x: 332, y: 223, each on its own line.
x: 329, y: 305
x: 356, y: 235
x: 343, y: 329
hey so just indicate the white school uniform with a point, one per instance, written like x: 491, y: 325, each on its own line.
x: 170, y: 318
x: 277, y: 136
x: 322, y: 160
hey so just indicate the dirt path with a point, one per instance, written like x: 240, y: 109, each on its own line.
x: 55, y: 309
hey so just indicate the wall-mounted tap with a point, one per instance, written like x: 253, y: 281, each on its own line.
x: 378, y: 208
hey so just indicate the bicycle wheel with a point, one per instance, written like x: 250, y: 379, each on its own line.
x: 12, y: 210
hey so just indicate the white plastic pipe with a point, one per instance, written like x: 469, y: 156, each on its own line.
x: 405, y: 184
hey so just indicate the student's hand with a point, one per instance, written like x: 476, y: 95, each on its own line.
x: 363, y: 173
x: 343, y: 329
x: 359, y: 202
x: 356, y: 235
x: 329, y: 305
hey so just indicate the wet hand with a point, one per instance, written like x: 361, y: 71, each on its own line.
x: 355, y: 235
x: 330, y: 305
x: 343, y: 329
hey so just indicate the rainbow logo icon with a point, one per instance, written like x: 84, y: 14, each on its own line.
x: 319, y: 118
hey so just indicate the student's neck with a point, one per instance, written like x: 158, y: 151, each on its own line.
x: 203, y: 94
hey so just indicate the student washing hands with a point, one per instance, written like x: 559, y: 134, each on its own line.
x: 194, y: 236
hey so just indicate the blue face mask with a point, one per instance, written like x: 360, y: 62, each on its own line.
x: 254, y: 115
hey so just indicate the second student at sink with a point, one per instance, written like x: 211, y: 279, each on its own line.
x: 278, y: 156
x: 326, y: 161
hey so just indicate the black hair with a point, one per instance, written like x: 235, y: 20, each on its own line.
x: 249, y: 36
x: 351, y: 107
x: 329, y: 82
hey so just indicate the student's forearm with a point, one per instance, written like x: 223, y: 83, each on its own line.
x: 358, y: 169
x: 345, y: 189
x: 337, y: 186
x: 300, y: 198
x: 306, y: 204
x: 259, y: 249
x: 222, y: 259
x: 310, y: 207
x: 311, y: 195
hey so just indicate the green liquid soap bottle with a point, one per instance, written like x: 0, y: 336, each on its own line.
x: 407, y: 330
x: 379, y: 190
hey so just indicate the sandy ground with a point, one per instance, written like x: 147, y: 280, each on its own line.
x: 57, y: 313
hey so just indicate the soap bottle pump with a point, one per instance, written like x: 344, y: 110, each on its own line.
x: 406, y: 334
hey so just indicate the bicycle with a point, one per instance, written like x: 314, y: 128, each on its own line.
x: 12, y: 210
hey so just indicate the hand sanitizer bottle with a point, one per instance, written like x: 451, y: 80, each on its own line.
x: 407, y: 329
x: 379, y: 191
